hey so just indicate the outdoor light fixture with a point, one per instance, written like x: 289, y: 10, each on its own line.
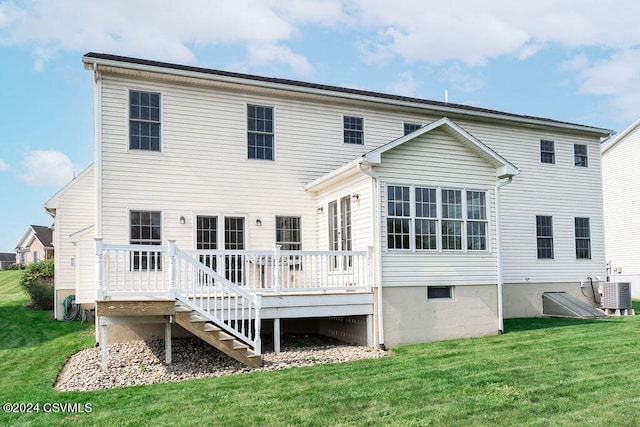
x: 320, y: 209
x: 258, y: 222
x: 182, y: 221
x: 355, y: 197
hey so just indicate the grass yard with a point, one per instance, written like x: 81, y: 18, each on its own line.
x: 9, y: 282
x: 542, y: 372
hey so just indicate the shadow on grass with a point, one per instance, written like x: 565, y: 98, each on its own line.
x: 23, y: 327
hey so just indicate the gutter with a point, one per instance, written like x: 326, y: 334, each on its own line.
x: 377, y: 227
x: 500, y: 278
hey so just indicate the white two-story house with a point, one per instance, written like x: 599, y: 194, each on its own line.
x: 370, y: 217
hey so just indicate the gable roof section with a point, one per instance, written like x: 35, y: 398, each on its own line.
x: 503, y: 167
x: 93, y: 59
x: 608, y: 144
x: 43, y: 233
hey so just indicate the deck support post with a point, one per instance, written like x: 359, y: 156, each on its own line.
x: 167, y: 342
x: 276, y: 335
x: 370, y: 330
x: 103, y: 343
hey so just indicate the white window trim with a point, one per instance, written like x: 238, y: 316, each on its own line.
x: 246, y: 131
x: 364, y: 129
x: 289, y: 216
x: 439, y: 219
x: 162, y: 121
x: 575, y: 238
x: 553, y: 237
x: 220, y: 242
x: 586, y: 155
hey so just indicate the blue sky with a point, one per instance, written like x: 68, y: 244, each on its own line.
x: 571, y: 60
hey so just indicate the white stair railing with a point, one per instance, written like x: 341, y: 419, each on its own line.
x: 214, y: 297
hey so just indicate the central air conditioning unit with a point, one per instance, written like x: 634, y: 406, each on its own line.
x: 616, y: 296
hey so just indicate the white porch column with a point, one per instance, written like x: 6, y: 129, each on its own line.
x: 167, y: 342
x: 103, y: 342
x: 172, y: 269
x: 276, y: 268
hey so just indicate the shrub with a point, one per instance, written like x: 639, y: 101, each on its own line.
x: 37, y: 281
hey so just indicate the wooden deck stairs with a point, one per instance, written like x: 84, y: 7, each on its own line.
x: 215, y: 336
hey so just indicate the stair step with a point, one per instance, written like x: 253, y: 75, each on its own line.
x: 210, y: 327
x: 237, y: 345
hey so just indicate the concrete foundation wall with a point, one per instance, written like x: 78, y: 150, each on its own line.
x: 525, y: 299
x: 409, y: 317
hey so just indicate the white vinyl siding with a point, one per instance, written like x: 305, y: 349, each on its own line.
x: 75, y: 264
x: 622, y: 206
x: 457, y: 168
x: 205, y: 143
x: 551, y: 191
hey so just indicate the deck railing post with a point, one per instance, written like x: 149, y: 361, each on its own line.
x: 258, y: 341
x: 172, y: 268
x: 369, y: 273
x: 100, y: 288
x: 276, y: 268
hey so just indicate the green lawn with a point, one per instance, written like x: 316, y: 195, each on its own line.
x: 9, y: 282
x: 542, y: 372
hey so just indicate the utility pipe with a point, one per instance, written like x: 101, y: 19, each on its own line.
x: 499, y: 185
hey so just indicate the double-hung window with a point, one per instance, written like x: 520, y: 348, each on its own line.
x: 144, y: 121
x: 547, y: 151
x: 476, y: 220
x: 452, y: 219
x: 145, y: 229
x: 288, y: 233
x: 544, y: 235
x: 427, y: 218
x: 260, y: 132
x: 583, y: 238
x: 580, y: 155
x: 398, y: 217
x: 426, y: 225
x: 353, y: 128
x: 411, y: 127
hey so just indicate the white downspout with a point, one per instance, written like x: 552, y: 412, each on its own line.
x: 499, y: 185
x: 376, y: 234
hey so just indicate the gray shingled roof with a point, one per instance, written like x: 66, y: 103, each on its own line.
x: 337, y: 89
x: 44, y: 234
x: 7, y: 257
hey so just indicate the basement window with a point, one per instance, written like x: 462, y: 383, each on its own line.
x: 439, y: 292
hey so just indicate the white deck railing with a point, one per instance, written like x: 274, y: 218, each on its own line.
x: 126, y: 270
x: 225, y: 286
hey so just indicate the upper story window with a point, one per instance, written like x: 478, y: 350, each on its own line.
x: 544, y: 234
x: 353, y: 130
x: 144, y: 121
x: 422, y: 218
x: 580, y: 156
x: 411, y: 127
x: 260, y: 132
x: 547, y: 151
x: 583, y: 238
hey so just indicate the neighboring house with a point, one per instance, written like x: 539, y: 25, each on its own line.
x: 7, y: 259
x: 621, y: 182
x: 36, y: 244
x: 396, y: 220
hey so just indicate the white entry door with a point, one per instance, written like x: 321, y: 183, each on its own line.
x: 340, y: 236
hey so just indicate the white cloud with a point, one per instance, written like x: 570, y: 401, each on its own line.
x: 46, y: 168
x: 618, y: 79
x: 4, y: 166
x: 405, y: 85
